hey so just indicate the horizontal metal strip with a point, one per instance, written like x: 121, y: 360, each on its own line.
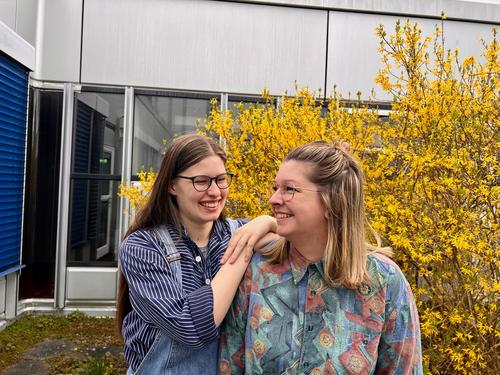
x: 14, y: 132
x: 9, y: 217
x: 9, y: 260
x: 12, y: 80
x: 16, y: 205
x: 5, y: 161
x: 10, y: 220
x: 14, y: 228
x: 93, y: 176
x: 13, y: 123
x: 13, y: 72
x: 14, y: 268
x: 14, y: 198
x: 10, y: 179
x: 17, y: 88
x: 11, y: 236
x: 8, y: 97
x: 14, y: 146
x: 4, y: 250
x: 13, y: 114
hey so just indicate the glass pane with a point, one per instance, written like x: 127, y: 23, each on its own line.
x: 97, y: 150
x: 42, y: 193
x: 94, y: 221
x: 156, y: 120
x: 98, y: 133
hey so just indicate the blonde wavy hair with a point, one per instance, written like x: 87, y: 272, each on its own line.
x: 338, y: 175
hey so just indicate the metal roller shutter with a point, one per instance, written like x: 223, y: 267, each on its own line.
x: 13, y: 106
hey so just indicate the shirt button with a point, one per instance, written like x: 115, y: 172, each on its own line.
x: 198, y: 258
x: 207, y: 281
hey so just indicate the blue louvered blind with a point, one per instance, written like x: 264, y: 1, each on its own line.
x: 13, y: 106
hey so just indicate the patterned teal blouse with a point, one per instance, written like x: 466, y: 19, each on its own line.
x: 286, y: 320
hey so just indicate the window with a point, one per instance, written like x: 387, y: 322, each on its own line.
x: 156, y: 120
x: 96, y: 174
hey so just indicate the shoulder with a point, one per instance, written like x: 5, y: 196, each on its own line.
x: 385, y: 270
x: 142, y: 243
x: 141, y: 238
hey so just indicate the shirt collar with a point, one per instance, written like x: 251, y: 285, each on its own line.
x: 218, y: 230
x: 300, y: 265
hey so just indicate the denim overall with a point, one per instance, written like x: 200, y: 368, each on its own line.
x: 167, y: 356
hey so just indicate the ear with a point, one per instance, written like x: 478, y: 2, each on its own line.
x: 171, y: 190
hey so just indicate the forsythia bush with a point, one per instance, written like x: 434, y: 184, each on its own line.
x: 432, y: 178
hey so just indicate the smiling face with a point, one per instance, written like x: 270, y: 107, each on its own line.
x: 304, y: 216
x: 200, y: 208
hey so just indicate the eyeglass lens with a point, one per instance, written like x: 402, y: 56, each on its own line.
x: 202, y: 183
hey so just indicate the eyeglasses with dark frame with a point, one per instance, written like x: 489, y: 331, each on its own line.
x: 287, y: 191
x: 202, y: 183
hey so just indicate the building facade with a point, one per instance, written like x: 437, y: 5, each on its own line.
x: 112, y: 79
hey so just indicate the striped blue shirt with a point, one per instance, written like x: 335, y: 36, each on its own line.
x: 183, y: 312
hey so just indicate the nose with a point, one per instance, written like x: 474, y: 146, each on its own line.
x: 213, y: 189
x: 276, y: 198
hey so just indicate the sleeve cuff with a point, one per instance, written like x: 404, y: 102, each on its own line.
x: 201, y: 304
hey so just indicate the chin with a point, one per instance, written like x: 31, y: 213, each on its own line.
x: 283, y: 232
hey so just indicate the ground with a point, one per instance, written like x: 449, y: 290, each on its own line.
x: 73, y: 344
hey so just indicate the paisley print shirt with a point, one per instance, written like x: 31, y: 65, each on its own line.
x: 286, y: 320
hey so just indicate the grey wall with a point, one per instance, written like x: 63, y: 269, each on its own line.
x: 353, y: 57
x: 224, y: 46
x: 203, y: 45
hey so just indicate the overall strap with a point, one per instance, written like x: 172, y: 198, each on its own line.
x: 170, y: 254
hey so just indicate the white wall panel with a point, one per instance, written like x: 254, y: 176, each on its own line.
x: 2, y: 294
x: 203, y: 45
x: 353, y: 57
x: 91, y: 283
x: 26, y: 12
x: 8, y: 13
x: 58, y: 39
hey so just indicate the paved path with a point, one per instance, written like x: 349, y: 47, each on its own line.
x: 34, y: 360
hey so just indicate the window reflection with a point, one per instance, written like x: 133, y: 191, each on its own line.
x: 156, y: 120
x: 96, y: 174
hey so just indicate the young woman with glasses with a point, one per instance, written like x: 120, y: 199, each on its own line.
x: 174, y: 293
x: 321, y: 300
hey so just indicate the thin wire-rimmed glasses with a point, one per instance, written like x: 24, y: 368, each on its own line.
x: 202, y: 183
x: 287, y: 191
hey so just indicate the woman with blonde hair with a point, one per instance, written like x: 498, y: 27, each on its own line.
x: 322, y: 300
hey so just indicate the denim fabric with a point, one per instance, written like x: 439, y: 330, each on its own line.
x: 169, y: 357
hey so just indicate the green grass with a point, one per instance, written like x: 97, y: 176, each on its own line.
x: 86, y: 333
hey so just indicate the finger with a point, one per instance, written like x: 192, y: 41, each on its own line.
x: 249, y: 251
x: 229, y: 251
x: 235, y: 250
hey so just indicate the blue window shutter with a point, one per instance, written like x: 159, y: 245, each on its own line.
x: 13, y: 106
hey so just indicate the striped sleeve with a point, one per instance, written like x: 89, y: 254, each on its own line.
x: 157, y: 297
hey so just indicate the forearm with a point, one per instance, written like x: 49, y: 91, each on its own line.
x: 224, y: 287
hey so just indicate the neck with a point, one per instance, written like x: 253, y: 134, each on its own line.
x: 311, y: 248
x: 199, y: 233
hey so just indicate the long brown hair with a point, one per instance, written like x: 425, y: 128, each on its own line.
x: 339, y: 177
x: 181, y: 153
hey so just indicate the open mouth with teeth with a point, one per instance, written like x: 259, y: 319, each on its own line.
x: 211, y: 204
x: 280, y: 215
